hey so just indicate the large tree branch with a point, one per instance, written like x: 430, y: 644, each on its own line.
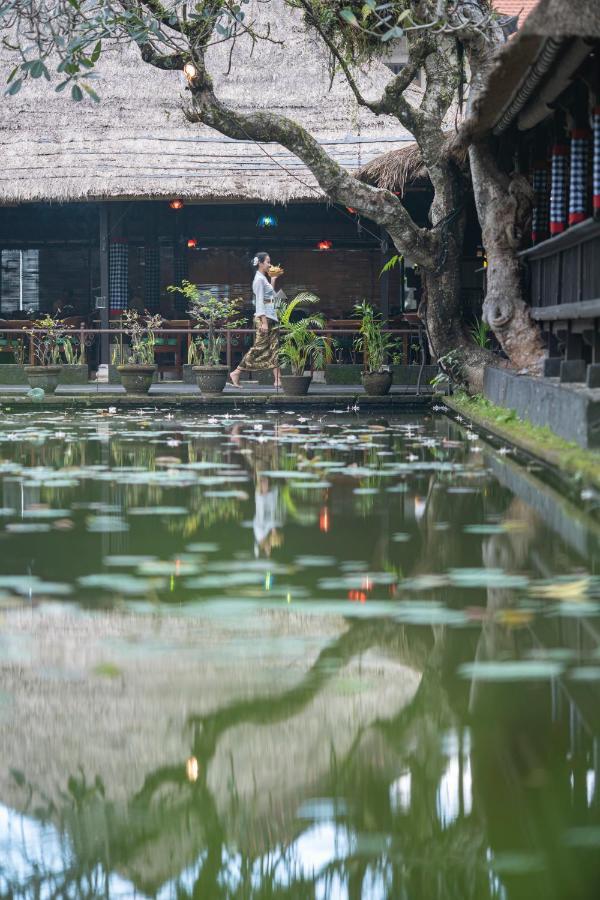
x: 379, y: 205
x: 392, y: 102
x: 168, y: 61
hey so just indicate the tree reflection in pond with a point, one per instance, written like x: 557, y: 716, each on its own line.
x: 396, y: 700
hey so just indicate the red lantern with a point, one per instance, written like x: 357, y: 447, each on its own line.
x: 176, y: 204
x: 324, y: 520
x: 192, y: 243
x: 324, y: 245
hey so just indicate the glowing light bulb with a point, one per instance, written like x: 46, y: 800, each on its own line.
x: 192, y: 768
x: 190, y: 71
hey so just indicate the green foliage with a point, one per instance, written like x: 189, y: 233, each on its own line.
x: 376, y: 344
x: 583, y: 465
x: 301, y: 346
x: 391, y: 264
x: 141, y: 330
x: 47, y: 345
x: 68, y: 37
x: 480, y: 332
x: 212, y: 314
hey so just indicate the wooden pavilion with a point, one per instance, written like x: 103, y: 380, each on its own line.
x: 542, y: 106
x: 102, y: 206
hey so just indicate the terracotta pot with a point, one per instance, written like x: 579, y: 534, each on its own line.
x: 377, y: 383
x: 45, y: 377
x: 136, y: 379
x: 211, y: 379
x: 295, y: 385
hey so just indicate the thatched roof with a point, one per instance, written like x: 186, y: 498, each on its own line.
x: 396, y: 169
x: 137, y: 143
x: 551, y: 23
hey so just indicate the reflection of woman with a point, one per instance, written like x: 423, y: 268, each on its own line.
x: 264, y: 353
x: 267, y: 518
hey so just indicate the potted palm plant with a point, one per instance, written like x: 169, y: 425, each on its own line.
x: 302, y: 347
x: 45, y: 336
x: 376, y: 345
x: 138, y: 370
x: 212, y: 314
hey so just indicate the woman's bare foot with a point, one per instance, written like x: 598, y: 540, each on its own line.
x: 234, y: 378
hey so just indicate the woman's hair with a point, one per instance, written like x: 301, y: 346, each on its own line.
x: 259, y: 258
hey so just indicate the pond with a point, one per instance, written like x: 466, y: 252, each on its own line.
x: 293, y: 656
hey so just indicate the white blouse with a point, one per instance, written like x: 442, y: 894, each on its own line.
x: 264, y: 297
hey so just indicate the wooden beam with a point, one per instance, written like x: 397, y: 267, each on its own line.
x: 589, y: 309
x: 104, y: 284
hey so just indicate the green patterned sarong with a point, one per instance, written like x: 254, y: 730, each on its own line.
x: 264, y: 353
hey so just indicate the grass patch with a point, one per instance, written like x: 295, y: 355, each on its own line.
x: 107, y: 670
x: 540, y: 442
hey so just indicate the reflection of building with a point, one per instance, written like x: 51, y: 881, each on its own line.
x: 132, y: 730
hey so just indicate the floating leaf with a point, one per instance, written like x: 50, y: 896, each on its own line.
x: 512, y: 670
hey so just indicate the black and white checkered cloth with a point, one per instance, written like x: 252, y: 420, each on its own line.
x: 541, y: 210
x: 118, y: 276
x: 558, y: 188
x: 152, y: 277
x: 578, y: 181
x: 596, y: 158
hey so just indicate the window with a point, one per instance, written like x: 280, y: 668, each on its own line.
x: 397, y: 58
x: 20, y: 281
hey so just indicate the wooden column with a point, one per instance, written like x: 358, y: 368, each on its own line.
x: 104, y: 283
x: 384, y: 278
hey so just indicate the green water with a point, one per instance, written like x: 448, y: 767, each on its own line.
x: 287, y: 657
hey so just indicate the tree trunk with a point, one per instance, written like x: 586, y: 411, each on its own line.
x: 504, y: 207
x: 461, y: 359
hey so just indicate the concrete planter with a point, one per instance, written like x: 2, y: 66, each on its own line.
x: 376, y: 384
x: 10, y: 373
x: 44, y: 377
x: 211, y: 379
x: 76, y: 374
x: 265, y: 376
x: 410, y: 374
x: 295, y: 385
x: 188, y: 376
x: 336, y: 373
x: 136, y: 379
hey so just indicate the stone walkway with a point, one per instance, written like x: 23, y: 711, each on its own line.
x: 177, y: 394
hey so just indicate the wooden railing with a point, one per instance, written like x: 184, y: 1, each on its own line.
x: 564, y: 271
x: 86, y: 335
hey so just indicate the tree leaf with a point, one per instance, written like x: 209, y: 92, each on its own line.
x: 15, y: 87
x: 76, y: 93
x: 390, y: 264
x: 96, y: 52
x: 91, y: 92
x: 393, y: 33
x: 348, y: 16
x: 37, y: 69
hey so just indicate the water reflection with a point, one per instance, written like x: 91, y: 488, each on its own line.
x: 311, y: 658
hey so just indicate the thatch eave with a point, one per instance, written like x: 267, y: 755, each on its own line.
x: 137, y: 143
x: 396, y: 170
x: 551, y: 21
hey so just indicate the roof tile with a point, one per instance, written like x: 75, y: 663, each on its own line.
x: 520, y: 8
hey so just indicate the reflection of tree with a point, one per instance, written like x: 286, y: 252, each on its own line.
x: 169, y: 804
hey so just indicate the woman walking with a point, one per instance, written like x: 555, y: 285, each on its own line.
x: 264, y: 353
